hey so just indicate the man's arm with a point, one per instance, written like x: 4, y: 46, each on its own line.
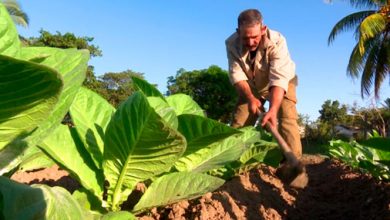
x: 238, y: 77
x: 282, y: 70
x: 245, y: 91
x: 276, y: 96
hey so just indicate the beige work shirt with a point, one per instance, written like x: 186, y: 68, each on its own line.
x: 272, y: 65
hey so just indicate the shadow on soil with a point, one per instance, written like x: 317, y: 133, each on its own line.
x: 335, y: 191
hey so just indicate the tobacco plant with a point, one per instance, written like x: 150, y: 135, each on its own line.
x: 372, y: 155
x: 166, y: 143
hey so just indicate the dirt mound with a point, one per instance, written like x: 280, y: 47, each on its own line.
x: 334, y: 192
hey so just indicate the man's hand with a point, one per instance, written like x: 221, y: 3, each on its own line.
x: 255, y: 105
x: 244, y: 91
x: 276, y: 97
x: 270, y: 117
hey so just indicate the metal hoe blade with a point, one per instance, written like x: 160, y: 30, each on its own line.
x: 293, y: 172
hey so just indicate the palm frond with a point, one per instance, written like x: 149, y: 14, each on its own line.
x: 370, y: 27
x: 380, y: 2
x: 388, y: 49
x: 369, y: 70
x: 347, y: 23
x: 356, y: 63
x: 20, y: 20
x: 16, y: 13
x: 357, y: 60
x: 386, y: 103
x: 382, y: 69
x: 10, y: 3
x: 367, y: 3
x: 356, y: 33
x: 364, y: 3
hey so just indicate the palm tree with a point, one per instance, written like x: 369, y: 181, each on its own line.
x: 16, y: 13
x: 371, y: 55
x: 386, y: 103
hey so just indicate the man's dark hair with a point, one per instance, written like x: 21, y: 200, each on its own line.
x: 250, y: 17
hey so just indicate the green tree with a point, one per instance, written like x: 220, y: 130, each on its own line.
x: 372, y: 118
x: 371, y: 55
x: 332, y: 113
x: 304, y: 123
x: 16, y: 12
x: 210, y: 88
x: 67, y: 40
x: 116, y: 87
x: 386, y: 114
x: 91, y: 81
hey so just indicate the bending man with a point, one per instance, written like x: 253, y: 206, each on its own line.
x: 261, y: 69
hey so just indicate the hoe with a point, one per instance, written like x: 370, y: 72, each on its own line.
x: 292, y: 172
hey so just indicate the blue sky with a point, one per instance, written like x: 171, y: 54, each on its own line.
x: 159, y: 37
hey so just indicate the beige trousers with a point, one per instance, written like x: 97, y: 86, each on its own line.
x: 287, y: 116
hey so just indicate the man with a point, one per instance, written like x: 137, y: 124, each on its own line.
x: 261, y: 69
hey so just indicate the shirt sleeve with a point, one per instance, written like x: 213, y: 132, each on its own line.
x: 282, y: 68
x: 236, y: 72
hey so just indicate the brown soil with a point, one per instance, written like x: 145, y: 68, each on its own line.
x: 335, y: 191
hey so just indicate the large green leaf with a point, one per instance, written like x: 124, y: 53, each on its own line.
x: 72, y: 65
x: 93, y: 207
x: 174, y: 187
x: 361, y: 156
x: 65, y: 147
x: 147, y: 88
x: 35, y: 159
x: 37, y: 202
x: 1, y: 206
x: 213, y: 156
x: 88, y: 201
x: 200, y: 131
x: 250, y: 135
x: 257, y: 152
x: 273, y: 157
x: 28, y: 158
x: 138, y: 145
x: 28, y: 94
x: 121, y: 215
x: 91, y: 115
x: 9, y: 38
x: 164, y: 110
x: 184, y: 104
x: 350, y: 152
x: 11, y: 155
x: 379, y: 145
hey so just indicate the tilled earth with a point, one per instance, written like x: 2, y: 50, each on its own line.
x: 335, y: 191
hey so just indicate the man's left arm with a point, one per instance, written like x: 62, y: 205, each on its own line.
x: 276, y: 96
x: 282, y: 70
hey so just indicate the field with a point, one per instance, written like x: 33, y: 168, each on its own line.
x: 156, y: 156
x: 335, y: 191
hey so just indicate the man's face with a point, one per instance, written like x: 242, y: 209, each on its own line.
x: 250, y: 35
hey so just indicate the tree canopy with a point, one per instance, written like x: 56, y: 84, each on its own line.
x: 67, y: 40
x: 333, y: 112
x: 210, y: 88
x: 114, y: 87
